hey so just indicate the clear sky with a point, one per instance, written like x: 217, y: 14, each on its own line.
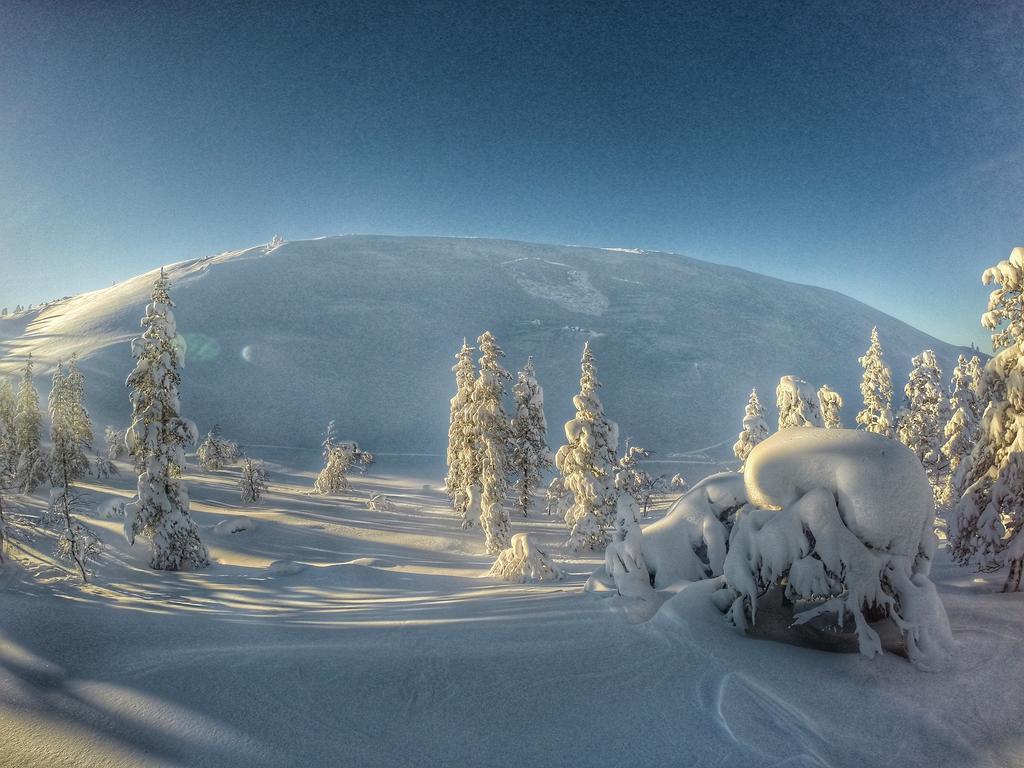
x: 874, y: 148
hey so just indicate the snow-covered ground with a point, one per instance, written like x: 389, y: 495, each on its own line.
x: 329, y: 634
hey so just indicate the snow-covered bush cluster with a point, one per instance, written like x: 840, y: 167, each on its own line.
x: 522, y: 561
x: 216, y: 451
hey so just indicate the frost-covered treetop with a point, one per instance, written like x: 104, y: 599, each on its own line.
x: 161, y: 290
x: 588, y: 372
x: 1006, y: 303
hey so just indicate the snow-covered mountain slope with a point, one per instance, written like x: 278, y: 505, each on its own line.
x: 363, y: 329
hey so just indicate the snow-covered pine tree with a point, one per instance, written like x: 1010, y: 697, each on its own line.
x: 492, y: 437
x: 797, y: 403
x: 8, y: 435
x: 636, y: 482
x: 831, y: 402
x: 217, y: 452
x: 531, y: 456
x: 976, y: 372
x: 333, y: 478
x: 114, y: 439
x: 989, y: 523
x: 961, y: 431
x: 157, y: 439
x: 70, y: 426
x: 755, y: 428
x: 924, y: 415
x: 253, y: 482
x: 876, y: 389
x: 463, y: 464
x: 587, y: 463
x: 70, y: 430
x: 32, y: 461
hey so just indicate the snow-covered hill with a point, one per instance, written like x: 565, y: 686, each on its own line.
x: 363, y: 329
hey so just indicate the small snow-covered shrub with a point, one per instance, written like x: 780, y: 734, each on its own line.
x: 379, y: 503
x: 522, y: 562
x: 797, y: 403
x: 847, y: 528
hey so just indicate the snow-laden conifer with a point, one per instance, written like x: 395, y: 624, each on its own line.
x: 8, y: 434
x: 463, y: 463
x: 253, y: 482
x: 830, y: 402
x: 988, y: 527
x: 70, y: 426
x: 587, y: 463
x: 635, y: 481
x: 876, y: 389
x: 114, y: 441
x: 338, y: 460
x: 216, y: 451
x: 531, y: 456
x: 755, y: 428
x: 797, y: 403
x: 157, y: 439
x: 960, y: 433
x: 924, y: 415
x: 492, y: 439
x: 32, y: 461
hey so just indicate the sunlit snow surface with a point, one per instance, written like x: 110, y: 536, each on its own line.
x: 329, y: 634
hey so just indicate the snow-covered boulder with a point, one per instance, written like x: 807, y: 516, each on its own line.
x: 849, y: 529
x: 522, y: 562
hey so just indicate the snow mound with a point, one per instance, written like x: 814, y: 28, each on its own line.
x: 522, y: 561
x: 284, y: 568
x: 234, y: 525
x: 850, y: 532
x: 882, y: 494
x: 689, y: 543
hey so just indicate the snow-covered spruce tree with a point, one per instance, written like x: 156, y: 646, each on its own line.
x: 755, y: 428
x: 157, y: 439
x: 924, y: 415
x: 587, y: 463
x: 8, y: 439
x: 253, y: 482
x: 463, y: 464
x: 988, y: 528
x: 114, y: 439
x: 333, y: 478
x: 797, y: 403
x: 492, y: 437
x: 70, y: 426
x: 31, y: 467
x: 634, y: 481
x: 961, y: 431
x: 217, y: 452
x: 830, y: 402
x: 531, y: 456
x: 876, y: 389
x: 70, y: 430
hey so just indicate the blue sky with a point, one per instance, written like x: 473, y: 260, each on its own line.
x: 873, y: 148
